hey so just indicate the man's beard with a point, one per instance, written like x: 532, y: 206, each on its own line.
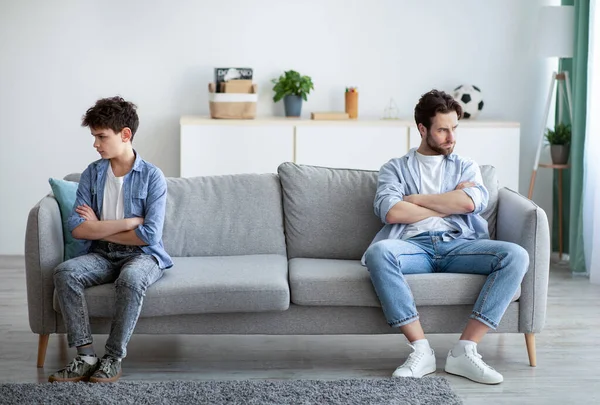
x: 436, y: 148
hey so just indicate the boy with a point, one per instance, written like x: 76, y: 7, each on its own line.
x: 118, y: 216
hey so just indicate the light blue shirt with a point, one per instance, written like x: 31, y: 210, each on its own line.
x: 401, y: 176
x: 144, y: 195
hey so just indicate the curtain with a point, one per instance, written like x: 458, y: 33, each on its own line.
x: 573, y: 178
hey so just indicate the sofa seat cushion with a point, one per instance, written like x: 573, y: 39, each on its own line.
x: 198, y: 285
x: 331, y: 282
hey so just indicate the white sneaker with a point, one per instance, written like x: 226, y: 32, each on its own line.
x: 418, y: 364
x: 470, y: 365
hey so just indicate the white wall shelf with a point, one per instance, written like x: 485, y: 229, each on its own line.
x: 214, y: 147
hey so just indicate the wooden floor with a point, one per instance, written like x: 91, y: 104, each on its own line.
x: 568, y: 350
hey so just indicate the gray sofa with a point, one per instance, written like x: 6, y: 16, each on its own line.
x: 280, y: 254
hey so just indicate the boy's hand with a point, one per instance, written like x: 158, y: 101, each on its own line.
x: 465, y: 184
x: 86, y: 213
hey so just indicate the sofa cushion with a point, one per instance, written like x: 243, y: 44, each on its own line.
x: 331, y: 282
x: 328, y: 212
x: 490, y: 180
x: 198, y: 285
x: 224, y: 216
x: 65, y: 193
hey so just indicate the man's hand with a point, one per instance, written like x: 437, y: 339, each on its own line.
x: 86, y: 213
x: 466, y: 184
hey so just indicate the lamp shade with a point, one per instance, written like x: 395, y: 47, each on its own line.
x: 556, y: 31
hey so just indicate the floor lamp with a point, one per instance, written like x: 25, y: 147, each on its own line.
x: 556, y: 40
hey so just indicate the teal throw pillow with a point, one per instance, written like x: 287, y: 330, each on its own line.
x: 65, y: 193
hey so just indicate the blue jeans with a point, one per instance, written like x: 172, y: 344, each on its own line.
x: 132, y: 272
x: 504, y: 264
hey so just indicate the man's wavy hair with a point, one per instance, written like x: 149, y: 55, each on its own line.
x: 112, y: 113
x: 434, y: 102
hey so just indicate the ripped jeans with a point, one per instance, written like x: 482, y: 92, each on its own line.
x: 132, y: 272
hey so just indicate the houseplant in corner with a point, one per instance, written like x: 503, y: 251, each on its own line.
x: 293, y: 88
x: 560, y: 143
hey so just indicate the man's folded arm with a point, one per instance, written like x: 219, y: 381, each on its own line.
x: 452, y: 202
x: 405, y: 212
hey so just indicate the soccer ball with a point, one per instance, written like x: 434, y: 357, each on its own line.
x: 470, y: 99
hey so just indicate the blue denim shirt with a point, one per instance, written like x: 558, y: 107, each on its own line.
x: 144, y: 195
x: 401, y: 176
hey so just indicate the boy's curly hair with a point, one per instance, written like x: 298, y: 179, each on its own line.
x: 112, y: 113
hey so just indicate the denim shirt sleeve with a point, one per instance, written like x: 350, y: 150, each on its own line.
x: 479, y: 194
x: 156, y: 204
x: 84, y: 196
x: 390, y: 190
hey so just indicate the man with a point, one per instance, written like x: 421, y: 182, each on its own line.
x: 430, y: 201
x: 118, y: 216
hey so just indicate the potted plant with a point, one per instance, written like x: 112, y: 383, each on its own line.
x: 293, y: 88
x: 560, y: 143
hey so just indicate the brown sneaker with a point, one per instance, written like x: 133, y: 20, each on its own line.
x: 109, y: 370
x: 77, y: 370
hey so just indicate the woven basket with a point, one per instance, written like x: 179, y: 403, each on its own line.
x: 232, y: 105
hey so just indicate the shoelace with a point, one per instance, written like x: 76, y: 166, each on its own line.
x: 413, y: 358
x: 74, y: 365
x: 482, y: 364
x: 105, y: 365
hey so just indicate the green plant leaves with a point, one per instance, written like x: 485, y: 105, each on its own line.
x: 561, y: 135
x: 292, y: 83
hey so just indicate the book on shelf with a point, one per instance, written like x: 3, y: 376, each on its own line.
x: 329, y: 115
x: 226, y: 74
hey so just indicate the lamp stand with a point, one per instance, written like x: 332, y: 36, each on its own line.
x: 557, y: 79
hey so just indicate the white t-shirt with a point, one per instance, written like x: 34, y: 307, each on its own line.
x: 112, y: 205
x: 432, y: 173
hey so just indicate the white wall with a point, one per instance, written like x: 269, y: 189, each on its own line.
x: 591, y: 186
x: 58, y: 57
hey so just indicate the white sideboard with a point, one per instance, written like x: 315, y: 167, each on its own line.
x: 215, y: 147
x: 209, y: 149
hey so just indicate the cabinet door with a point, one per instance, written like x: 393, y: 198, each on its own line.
x: 231, y: 149
x: 351, y: 147
x: 499, y: 147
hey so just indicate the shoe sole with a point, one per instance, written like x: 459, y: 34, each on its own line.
x: 106, y: 380
x: 74, y: 379
x: 427, y: 372
x: 472, y: 379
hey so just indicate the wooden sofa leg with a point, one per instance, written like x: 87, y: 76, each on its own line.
x: 42, y: 346
x: 530, y: 341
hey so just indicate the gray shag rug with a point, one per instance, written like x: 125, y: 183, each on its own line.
x: 428, y: 390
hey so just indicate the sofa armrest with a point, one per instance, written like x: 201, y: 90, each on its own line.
x: 44, y: 250
x: 521, y: 221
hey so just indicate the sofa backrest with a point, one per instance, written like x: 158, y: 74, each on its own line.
x: 224, y: 216
x: 328, y: 212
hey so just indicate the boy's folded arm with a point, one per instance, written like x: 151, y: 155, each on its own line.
x: 129, y: 238
x: 95, y: 230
